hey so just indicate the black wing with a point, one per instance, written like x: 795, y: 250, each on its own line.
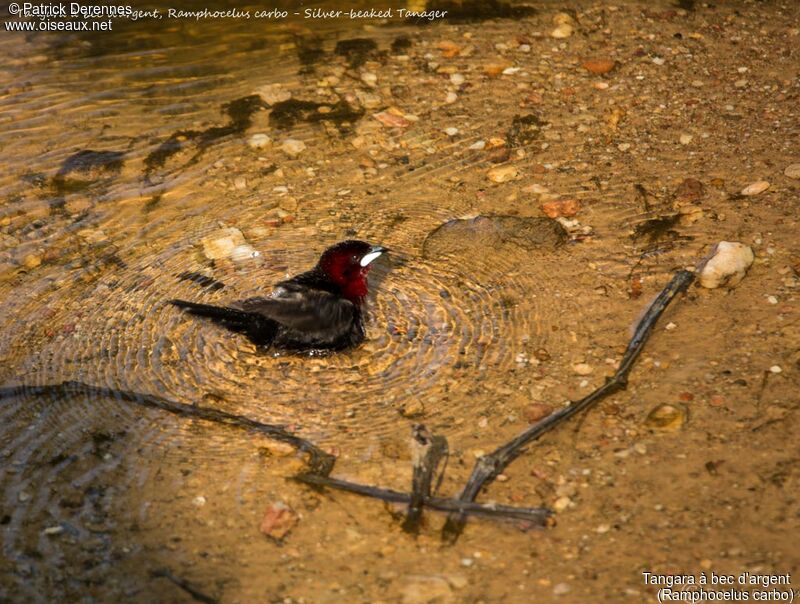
x: 303, y: 309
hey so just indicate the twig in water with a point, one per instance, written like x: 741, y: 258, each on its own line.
x: 184, y: 585
x: 320, y: 461
x: 489, y: 466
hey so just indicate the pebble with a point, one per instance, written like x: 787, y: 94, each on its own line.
x: 775, y: 369
x: 582, y: 368
x: 293, y: 147
x: 426, y: 590
x: 220, y: 244
x: 451, y: 131
x: 755, y: 188
x: 792, y: 171
x: 477, y: 146
x: 727, y: 266
x: 391, y: 119
x: 199, y: 501
x: 369, y: 78
x: 536, y: 411
x: 279, y: 519
x: 666, y: 417
x: 451, y: 98
x: 670, y: 326
x: 259, y: 141
x: 414, y: 408
x: 244, y: 252
x: 562, y: 503
x: 31, y: 261
x: 457, y: 79
x: 502, y: 173
x: 772, y: 299
x: 686, y: 139
x: 561, y: 589
x: 599, y: 66
x: 600, y: 85
x: 562, y: 31
x: 560, y: 207
x: 659, y: 60
x: 624, y: 146
x: 273, y: 93
x: 240, y: 183
x: 53, y: 530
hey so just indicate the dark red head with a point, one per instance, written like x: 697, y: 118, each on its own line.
x: 347, y: 264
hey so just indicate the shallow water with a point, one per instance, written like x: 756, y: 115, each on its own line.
x: 470, y: 320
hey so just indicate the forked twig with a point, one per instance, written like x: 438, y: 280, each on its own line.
x: 489, y: 466
x: 536, y: 516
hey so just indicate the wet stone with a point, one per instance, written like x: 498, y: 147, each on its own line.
x: 727, y: 265
x: 667, y: 417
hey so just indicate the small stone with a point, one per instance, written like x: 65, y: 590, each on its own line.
x: 772, y: 299
x: 775, y: 369
x: 54, y: 530
x: 259, y: 141
x: 582, y: 368
x: 666, y: 417
x: 624, y: 146
x: 220, y: 244
x: 600, y: 85
x: 240, y: 183
x: 756, y: 188
x: 740, y: 83
x: 391, y: 119
x: 369, y: 78
x: 279, y: 519
x: 273, y: 93
x: 561, y: 207
x: 242, y: 253
x: 792, y: 171
x: 502, y: 173
x: 727, y: 265
x: 449, y: 49
x: 561, y: 589
x: 431, y: 589
x: 293, y: 147
x: 603, y: 528
x: 413, y: 409
x: 599, y: 66
x: 659, y: 60
x: 31, y: 261
x: 451, y: 98
x: 477, y: 146
x: 564, y: 30
x: 451, y: 131
x: 536, y: 411
x: 562, y: 503
x: 670, y: 326
x: 199, y: 501
x: 686, y: 139
x: 456, y: 79
x: 467, y: 562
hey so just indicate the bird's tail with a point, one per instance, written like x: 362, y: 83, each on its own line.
x: 231, y: 317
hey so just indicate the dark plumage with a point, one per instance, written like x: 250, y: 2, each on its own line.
x: 320, y: 309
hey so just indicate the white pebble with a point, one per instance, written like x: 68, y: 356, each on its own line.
x: 727, y: 266
x: 755, y: 188
x: 199, y: 501
x: 772, y: 299
x: 775, y: 369
x: 451, y: 131
x: 259, y: 141
x: 670, y: 326
x: 624, y: 146
x: 686, y: 139
x: 451, y: 98
x: 293, y: 147
x: 477, y: 146
x: 658, y: 60
x: 240, y: 183
x: 582, y: 368
x: 457, y: 79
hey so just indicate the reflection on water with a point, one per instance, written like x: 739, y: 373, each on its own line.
x: 123, y: 152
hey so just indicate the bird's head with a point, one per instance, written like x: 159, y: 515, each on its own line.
x: 347, y: 263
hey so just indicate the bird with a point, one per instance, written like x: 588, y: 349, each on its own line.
x: 320, y: 310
